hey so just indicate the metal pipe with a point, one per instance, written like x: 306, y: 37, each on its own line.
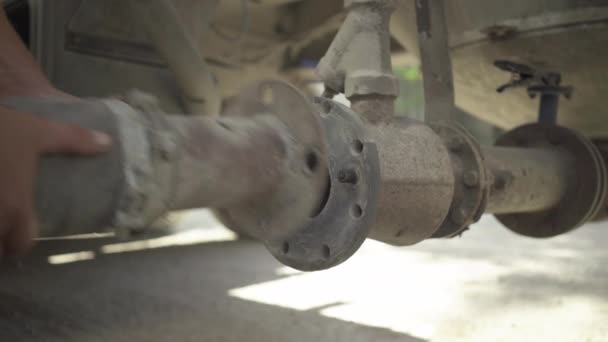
x: 221, y: 163
x: 173, y: 41
x: 157, y: 164
x: 374, y: 108
x: 526, y: 180
x: 435, y: 59
x: 549, y: 104
x: 417, y: 181
x: 358, y: 62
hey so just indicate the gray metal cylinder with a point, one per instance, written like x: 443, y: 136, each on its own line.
x: 77, y: 195
x: 417, y: 182
x: 526, y: 180
x: 156, y: 164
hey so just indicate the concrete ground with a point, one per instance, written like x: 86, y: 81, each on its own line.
x: 202, y: 285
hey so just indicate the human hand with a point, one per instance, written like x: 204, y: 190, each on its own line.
x: 24, y: 138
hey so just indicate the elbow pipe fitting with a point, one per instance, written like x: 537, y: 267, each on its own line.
x: 358, y: 62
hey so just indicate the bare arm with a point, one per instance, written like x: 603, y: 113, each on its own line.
x: 25, y: 137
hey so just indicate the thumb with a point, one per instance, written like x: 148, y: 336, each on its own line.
x: 67, y: 138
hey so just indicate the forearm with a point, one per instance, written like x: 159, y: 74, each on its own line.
x: 19, y: 72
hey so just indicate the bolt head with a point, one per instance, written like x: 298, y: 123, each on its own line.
x: 455, y: 144
x: 459, y: 216
x: 348, y: 176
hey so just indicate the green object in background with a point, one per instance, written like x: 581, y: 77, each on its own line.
x: 410, y: 102
x: 409, y: 73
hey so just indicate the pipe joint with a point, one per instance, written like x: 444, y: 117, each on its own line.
x: 358, y: 61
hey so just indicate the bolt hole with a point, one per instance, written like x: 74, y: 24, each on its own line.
x: 285, y: 247
x: 358, y: 146
x: 356, y: 211
x: 348, y: 176
x: 312, y: 161
x: 326, y: 251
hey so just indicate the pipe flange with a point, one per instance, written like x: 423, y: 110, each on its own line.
x: 342, y: 223
x: 274, y: 215
x: 471, y: 180
x: 585, y: 193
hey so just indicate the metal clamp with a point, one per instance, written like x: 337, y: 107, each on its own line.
x: 471, y: 185
x: 546, y: 84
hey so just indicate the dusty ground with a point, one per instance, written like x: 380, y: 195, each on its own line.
x: 489, y: 285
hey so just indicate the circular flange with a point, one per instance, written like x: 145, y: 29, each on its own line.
x: 342, y: 224
x: 297, y: 193
x: 585, y: 193
x: 471, y: 179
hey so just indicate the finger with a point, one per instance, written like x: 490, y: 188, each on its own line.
x: 66, y: 138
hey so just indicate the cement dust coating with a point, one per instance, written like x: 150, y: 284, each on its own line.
x: 203, y: 285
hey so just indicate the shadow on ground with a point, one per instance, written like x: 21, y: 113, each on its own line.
x: 166, y: 294
x: 490, y: 285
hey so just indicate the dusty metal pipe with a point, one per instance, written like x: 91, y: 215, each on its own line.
x: 220, y: 163
x: 358, y: 62
x: 156, y: 164
x: 435, y: 60
x: 168, y: 33
x: 526, y: 179
x: 417, y: 181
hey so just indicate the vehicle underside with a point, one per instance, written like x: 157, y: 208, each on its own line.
x: 307, y: 175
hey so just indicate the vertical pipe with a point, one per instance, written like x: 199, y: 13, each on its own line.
x: 435, y: 59
x: 358, y: 62
x: 549, y: 103
x: 163, y: 24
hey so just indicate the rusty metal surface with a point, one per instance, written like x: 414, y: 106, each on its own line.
x: 417, y: 182
x: 526, y: 179
x: 586, y: 188
x: 374, y: 108
x: 358, y: 62
x: 337, y: 231
x: 471, y: 179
